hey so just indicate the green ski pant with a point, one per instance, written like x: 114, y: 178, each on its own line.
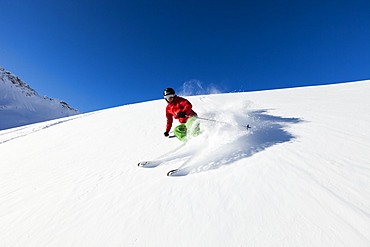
x: 185, y: 130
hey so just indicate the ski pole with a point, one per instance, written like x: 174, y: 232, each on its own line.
x: 217, y: 121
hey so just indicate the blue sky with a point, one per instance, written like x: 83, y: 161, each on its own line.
x: 99, y: 54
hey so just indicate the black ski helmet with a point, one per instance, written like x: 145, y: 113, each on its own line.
x: 168, y: 91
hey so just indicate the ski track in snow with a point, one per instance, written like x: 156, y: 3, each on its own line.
x: 14, y: 133
x: 299, y: 177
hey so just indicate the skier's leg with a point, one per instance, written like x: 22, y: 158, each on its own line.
x: 180, y: 132
x: 193, y: 127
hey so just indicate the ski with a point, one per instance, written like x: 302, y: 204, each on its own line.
x: 183, y: 169
x: 143, y: 163
x: 171, y: 172
x: 155, y: 162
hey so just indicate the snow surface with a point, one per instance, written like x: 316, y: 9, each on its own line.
x: 299, y: 177
x: 21, y: 105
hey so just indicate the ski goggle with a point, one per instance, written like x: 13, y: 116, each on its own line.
x: 169, y: 96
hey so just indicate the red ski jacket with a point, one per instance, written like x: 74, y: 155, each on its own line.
x: 179, y: 104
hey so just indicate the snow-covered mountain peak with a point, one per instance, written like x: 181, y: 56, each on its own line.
x: 8, y: 77
x: 20, y: 104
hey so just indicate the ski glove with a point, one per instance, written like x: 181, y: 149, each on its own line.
x: 166, y: 134
x: 181, y: 114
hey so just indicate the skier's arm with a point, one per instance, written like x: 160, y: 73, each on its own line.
x: 187, y: 107
x: 169, y: 121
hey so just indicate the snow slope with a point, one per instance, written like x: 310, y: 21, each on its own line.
x: 21, y: 105
x: 299, y: 177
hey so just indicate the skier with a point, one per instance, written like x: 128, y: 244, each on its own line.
x: 181, y: 109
